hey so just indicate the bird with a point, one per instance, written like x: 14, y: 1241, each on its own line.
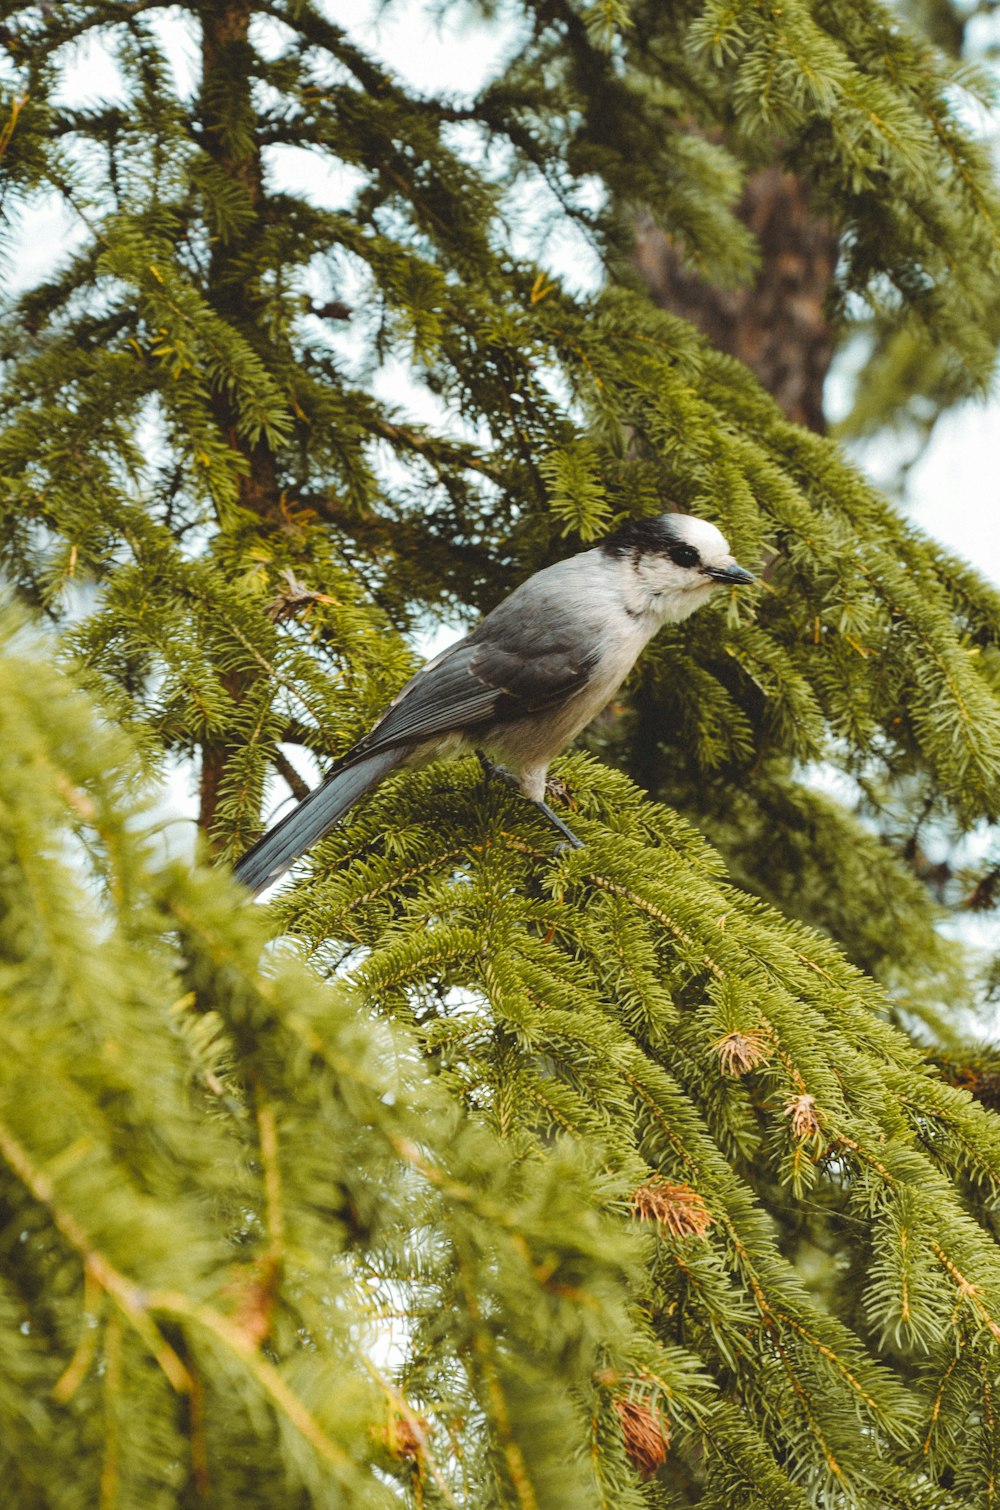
x: 527, y: 680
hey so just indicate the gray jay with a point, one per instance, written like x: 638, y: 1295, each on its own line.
x: 523, y: 684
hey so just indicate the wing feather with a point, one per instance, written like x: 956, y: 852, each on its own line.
x: 513, y: 665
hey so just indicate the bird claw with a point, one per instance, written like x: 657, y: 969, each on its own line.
x: 559, y: 791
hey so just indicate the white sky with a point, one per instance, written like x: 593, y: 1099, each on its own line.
x: 954, y: 489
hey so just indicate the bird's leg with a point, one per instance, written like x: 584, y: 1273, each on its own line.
x: 489, y: 769
x: 556, y: 821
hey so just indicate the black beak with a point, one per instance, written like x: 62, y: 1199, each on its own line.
x: 733, y: 575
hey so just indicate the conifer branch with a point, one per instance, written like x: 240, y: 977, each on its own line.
x: 260, y: 1369
x: 597, y: 1136
x: 130, y: 1302
x: 111, y: 1458
x: 79, y: 1365
x: 417, y: 1428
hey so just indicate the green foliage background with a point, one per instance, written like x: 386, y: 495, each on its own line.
x: 464, y: 1170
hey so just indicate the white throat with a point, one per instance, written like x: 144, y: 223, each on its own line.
x: 651, y: 592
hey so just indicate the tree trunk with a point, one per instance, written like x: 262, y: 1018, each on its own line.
x: 229, y: 120
x: 777, y: 326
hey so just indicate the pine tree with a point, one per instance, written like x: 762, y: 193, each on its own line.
x: 466, y: 1172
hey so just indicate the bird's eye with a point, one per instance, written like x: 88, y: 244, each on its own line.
x: 684, y: 555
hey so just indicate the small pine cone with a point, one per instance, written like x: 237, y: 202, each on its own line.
x: 402, y: 1437
x: 740, y: 1053
x: 805, y: 1116
x: 677, y: 1210
x: 646, y: 1433
x: 293, y: 598
x: 253, y: 1289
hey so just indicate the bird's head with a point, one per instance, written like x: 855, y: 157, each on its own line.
x: 677, y: 561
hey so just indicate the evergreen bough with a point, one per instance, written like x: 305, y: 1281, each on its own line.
x: 505, y: 1177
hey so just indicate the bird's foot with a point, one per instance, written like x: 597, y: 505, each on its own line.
x: 491, y: 770
x: 559, y: 791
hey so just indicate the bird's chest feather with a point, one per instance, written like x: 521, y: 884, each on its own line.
x: 532, y: 741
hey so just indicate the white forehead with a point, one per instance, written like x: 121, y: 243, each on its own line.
x: 709, y: 542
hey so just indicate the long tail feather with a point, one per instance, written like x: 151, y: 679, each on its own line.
x: 271, y: 856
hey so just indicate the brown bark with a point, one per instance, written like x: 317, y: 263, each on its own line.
x: 225, y: 33
x: 777, y: 326
x: 213, y: 767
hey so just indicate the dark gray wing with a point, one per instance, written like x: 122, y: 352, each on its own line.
x: 516, y: 663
